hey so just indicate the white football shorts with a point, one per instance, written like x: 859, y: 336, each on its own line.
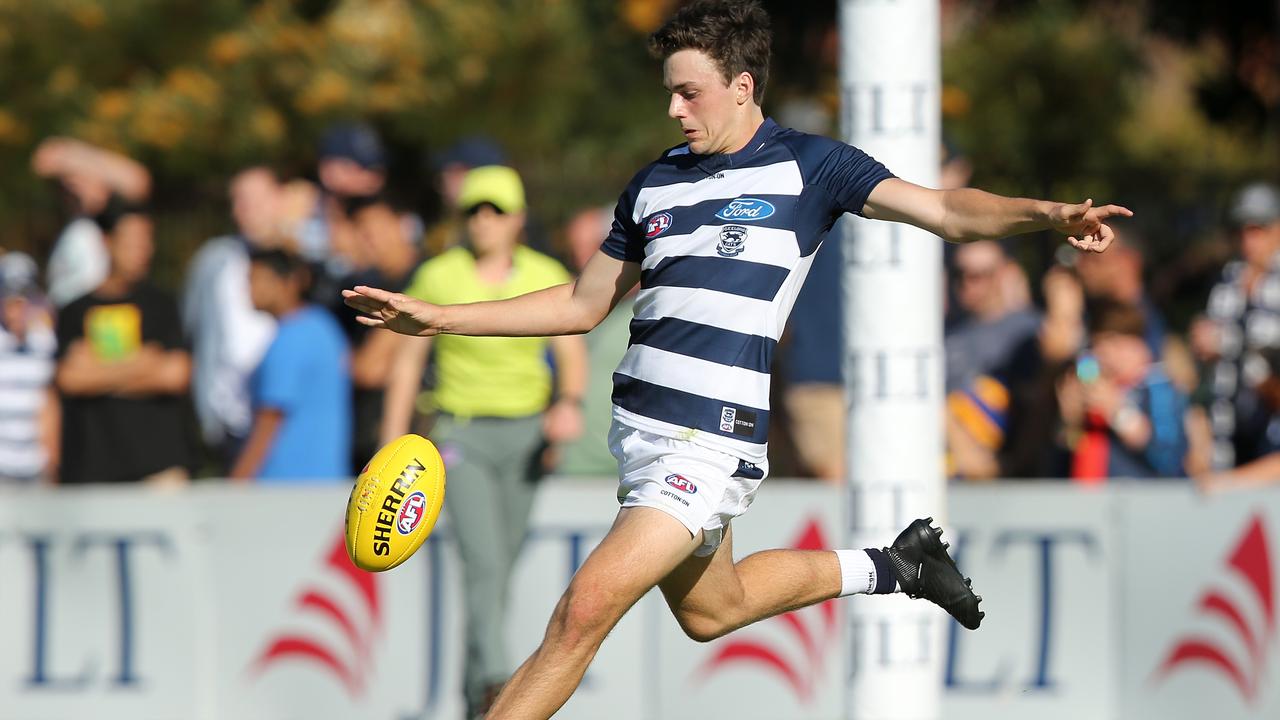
x: 700, y: 487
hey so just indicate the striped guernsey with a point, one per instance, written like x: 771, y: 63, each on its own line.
x: 724, y: 244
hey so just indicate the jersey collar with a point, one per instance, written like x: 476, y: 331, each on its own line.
x: 720, y: 161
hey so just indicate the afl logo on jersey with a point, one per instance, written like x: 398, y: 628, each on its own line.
x: 733, y: 239
x: 746, y: 210
x: 657, y: 225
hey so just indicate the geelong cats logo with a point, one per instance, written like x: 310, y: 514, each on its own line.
x: 733, y: 239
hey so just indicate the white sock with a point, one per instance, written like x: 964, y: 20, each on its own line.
x: 857, y: 572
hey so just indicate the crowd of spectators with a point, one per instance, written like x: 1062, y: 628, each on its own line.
x: 1094, y: 385
x: 255, y: 370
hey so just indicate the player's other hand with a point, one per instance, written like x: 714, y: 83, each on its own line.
x: 1084, y: 225
x: 393, y: 311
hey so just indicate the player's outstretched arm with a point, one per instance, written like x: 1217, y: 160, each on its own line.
x: 567, y: 309
x: 968, y: 214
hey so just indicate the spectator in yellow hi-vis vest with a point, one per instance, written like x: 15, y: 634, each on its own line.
x: 495, y: 407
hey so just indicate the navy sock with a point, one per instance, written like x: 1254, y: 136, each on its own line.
x: 885, y: 582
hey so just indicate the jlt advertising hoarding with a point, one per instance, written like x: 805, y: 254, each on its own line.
x: 227, y: 602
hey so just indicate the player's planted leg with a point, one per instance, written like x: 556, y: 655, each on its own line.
x: 643, y: 546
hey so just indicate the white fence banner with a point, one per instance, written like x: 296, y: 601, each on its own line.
x: 230, y: 602
x: 1198, y: 609
x: 1042, y: 558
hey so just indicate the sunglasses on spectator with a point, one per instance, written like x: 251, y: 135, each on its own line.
x: 471, y: 211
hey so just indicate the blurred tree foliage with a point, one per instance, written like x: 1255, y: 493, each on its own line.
x: 1070, y: 98
x: 198, y: 88
x: 1165, y: 107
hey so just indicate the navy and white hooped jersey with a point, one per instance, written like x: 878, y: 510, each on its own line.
x: 724, y: 244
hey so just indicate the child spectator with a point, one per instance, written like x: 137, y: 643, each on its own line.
x: 29, y: 433
x: 301, y: 392
x: 1125, y: 414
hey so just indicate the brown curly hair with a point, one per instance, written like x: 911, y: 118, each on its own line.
x: 735, y: 34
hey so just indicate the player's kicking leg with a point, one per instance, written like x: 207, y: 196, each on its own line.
x: 711, y: 596
x: 643, y: 546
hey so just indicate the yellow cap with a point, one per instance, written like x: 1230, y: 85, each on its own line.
x: 496, y: 184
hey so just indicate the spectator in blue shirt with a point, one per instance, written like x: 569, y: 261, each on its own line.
x: 301, y: 392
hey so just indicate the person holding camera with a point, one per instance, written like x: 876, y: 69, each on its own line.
x: 1123, y: 416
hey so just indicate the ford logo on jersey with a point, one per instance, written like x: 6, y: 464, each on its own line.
x: 746, y: 210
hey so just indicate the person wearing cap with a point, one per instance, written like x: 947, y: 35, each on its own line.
x: 460, y: 158
x: 29, y: 435
x: 451, y: 167
x: 495, y: 406
x: 1244, y: 318
x: 352, y: 168
x: 353, y: 161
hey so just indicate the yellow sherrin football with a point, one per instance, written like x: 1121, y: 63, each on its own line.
x: 395, y: 503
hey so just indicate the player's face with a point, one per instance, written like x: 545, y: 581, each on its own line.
x: 705, y: 106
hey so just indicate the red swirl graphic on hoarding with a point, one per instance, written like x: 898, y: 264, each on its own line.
x: 813, y: 636
x: 348, y: 664
x: 1251, y: 562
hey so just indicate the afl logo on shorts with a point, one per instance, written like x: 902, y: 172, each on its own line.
x: 657, y: 225
x: 411, y: 513
x: 682, y: 483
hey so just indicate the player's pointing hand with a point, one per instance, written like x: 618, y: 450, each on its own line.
x: 393, y: 311
x: 1085, y: 226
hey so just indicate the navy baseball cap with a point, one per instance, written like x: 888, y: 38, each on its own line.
x: 472, y: 151
x: 356, y: 142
